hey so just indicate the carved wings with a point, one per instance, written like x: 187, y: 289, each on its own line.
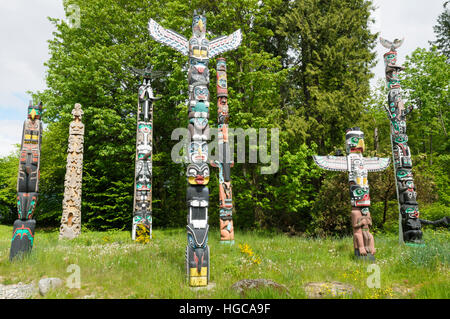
x: 224, y: 43
x: 168, y: 37
x: 332, y: 163
x: 391, y: 45
x: 376, y: 164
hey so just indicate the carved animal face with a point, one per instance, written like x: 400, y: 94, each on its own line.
x: 201, y: 93
x: 404, y: 174
x: 200, y: 65
x: 390, y: 58
x: 354, y: 139
x: 411, y: 211
x: 359, y: 196
x: 198, y: 25
x: 198, y: 174
x: 34, y: 112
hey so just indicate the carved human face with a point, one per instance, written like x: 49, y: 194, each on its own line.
x: 198, y: 152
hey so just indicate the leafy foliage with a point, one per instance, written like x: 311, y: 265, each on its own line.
x: 442, y: 31
x: 303, y: 68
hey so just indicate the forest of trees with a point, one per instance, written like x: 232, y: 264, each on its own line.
x: 303, y: 67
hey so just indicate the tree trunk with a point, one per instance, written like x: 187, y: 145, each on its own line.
x: 375, y: 138
x: 431, y: 149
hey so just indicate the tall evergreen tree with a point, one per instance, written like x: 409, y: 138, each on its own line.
x: 442, y: 31
x: 330, y: 61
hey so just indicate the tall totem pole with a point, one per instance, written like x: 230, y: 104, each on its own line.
x: 71, y: 217
x: 142, y: 205
x: 357, y: 167
x: 200, y: 50
x: 27, y: 183
x: 225, y: 162
x: 409, y: 222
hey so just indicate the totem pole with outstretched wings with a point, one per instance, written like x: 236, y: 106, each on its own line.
x: 357, y: 167
x: 200, y: 50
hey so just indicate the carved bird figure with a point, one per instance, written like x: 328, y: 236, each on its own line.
x: 391, y: 45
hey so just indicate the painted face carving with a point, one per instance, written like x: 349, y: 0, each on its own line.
x: 411, y: 211
x: 201, y: 93
x: 198, y: 71
x: 404, y: 174
x: 199, y: 25
x: 354, y: 140
x: 198, y: 152
x: 34, y: 112
x: 390, y: 58
x: 198, y: 174
x: 359, y: 196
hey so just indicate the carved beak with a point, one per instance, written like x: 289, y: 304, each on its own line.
x: 33, y: 114
x: 361, y: 145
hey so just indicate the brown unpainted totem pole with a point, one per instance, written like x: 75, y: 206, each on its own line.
x: 71, y: 217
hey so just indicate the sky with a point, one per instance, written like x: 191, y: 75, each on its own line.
x: 25, y: 30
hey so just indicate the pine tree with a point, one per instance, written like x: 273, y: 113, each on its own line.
x: 442, y: 31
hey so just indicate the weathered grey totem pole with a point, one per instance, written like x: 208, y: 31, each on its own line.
x: 27, y: 183
x: 142, y: 205
x: 225, y: 162
x: 409, y: 222
x: 71, y: 217
x: 200, y: 50
x: 357, y: 167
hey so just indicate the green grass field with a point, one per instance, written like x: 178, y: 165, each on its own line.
x: 112, y: 266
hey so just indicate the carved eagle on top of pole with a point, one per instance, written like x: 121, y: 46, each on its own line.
x: 207, y: 49
x: 391, y: 45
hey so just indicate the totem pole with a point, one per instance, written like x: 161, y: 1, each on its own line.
x: 357, y: 167
x: 71, y: 217
x: 409, y: 222
x: 27, y: 183
x: 224, y: 163
x: 200, y: 50
x: 142, y: 205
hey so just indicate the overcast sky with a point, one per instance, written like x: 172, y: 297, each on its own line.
x: 25, y: 29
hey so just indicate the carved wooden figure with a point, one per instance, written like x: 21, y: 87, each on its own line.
x: 27, y: 183
x: 410, y: 228
x: 142, y: 205
x: 357, y: 167
x: 71, y: 217
x: 200, y: 50
x: 225, y: 162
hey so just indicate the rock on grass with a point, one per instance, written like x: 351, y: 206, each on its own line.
x: 46, y: 284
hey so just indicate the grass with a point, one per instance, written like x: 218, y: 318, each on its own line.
x: 112, y: 266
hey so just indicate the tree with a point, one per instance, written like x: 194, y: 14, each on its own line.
x: 330, y: 61
x: 442, y: 31
x: 426, y: 82
x: 9, y: 166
